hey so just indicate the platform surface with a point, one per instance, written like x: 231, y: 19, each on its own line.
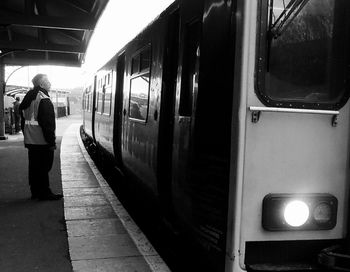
x: 101, y: 234
x: 88, y: 230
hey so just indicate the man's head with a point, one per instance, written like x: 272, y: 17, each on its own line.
x: 41, y: 80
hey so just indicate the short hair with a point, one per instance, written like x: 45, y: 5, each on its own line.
x: 37, y: 79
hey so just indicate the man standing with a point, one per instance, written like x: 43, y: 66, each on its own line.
x: 38, y: 126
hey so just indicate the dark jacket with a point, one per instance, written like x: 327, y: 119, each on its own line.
x: 46, y: 115
x: 16, y: 108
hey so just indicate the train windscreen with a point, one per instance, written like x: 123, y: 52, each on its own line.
x: 303, y: 53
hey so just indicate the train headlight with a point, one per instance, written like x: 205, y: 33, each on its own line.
x: 299, y: 212
x: 296, y: 213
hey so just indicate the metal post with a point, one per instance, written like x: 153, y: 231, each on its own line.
x: 2, y: 91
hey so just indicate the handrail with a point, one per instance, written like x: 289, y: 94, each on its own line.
x: 289, y: 110
x: 257, y: 110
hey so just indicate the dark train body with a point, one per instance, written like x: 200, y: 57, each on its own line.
x: 211, y: 116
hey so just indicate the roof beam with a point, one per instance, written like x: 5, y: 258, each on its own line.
x: 36, y: 46
x: 70, y: 23
x: 38, y: 61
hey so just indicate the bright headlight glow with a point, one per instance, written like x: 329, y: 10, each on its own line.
x: 296, y: 213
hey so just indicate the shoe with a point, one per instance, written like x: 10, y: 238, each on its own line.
x: 51, y: 197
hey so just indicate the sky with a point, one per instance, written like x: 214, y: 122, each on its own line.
x: 119, y: 23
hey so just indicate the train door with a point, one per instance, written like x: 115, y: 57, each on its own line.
x: 94, y: 107
x: 166, y: 121
x: 202, y: 130
x: 140, y: 111
x: 118, y: 108
x: 87, y: 109
x: 183, y: 120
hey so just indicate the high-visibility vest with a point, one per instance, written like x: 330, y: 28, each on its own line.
x: 33, y: 134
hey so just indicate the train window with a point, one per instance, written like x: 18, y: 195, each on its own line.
x: 100, y: 97
x: 107, y: 97
x: 190, y: 69
x: 142, y: 61
x: 135, y: 64
x: 139, y: 92
x: 302, y: 54
x: 89, y: 102
x: 145, y: 59
x: 84, y: 101
x: 107, y: 103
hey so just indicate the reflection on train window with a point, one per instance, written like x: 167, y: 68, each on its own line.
x: 139, y: 92
x: 84, y: 101
x: 100, y: 102
x: 107, y: 103
x: 85, y: 97
x: 302, y: 57
x: 88, y: 102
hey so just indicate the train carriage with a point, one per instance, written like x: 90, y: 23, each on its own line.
x: 235, y: 116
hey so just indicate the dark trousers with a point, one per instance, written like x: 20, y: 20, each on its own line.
x: 40, y: 163
x: 17, y: 123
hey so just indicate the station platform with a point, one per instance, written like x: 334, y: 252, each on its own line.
x: 101, y: 234
x: 89, y: 230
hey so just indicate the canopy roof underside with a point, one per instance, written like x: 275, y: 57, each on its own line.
x: 49, y: 32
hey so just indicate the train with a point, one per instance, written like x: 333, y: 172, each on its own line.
x: 234, y: 115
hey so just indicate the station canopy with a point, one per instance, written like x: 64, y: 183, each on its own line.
x: 47, y: 32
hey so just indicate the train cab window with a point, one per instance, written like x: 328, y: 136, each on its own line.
x: 190, y: 69
x: 140, y: 84
x: 303, y: 53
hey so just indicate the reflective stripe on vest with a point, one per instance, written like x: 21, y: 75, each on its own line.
x: 33, y: 133
x: 30, y: 122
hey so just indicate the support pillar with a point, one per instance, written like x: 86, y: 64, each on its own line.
x: 2, y: 110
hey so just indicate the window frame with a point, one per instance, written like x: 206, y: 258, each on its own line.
x: 189, y: 62
x: 260, y: 71
x: 137, y: 74
x: 98, y: 94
